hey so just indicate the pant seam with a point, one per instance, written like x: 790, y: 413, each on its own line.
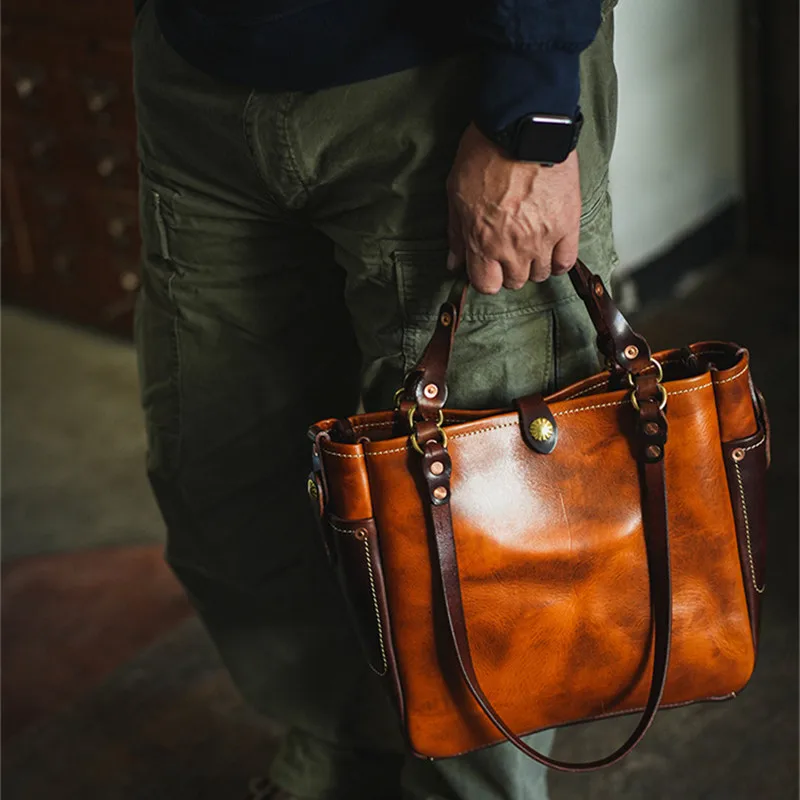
x: 293, y: 164
x: 248, y: 125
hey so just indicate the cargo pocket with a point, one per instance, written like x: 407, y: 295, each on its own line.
x: 504, y: 345
x: 156, y: 332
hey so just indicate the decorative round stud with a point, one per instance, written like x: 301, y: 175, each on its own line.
x: 598, y: 289
x: 631, y: 352
x: 440, y: 493
x: 361, y: 534
x: 446, y: 319
x: 437, y: 468
x: 651, y: 429
x: 654, y: 451
x: 430, y: 391
x: 541, y: 429
x: 738, y: 454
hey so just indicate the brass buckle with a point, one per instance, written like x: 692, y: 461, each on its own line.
x: 659, y: 378
x: 414, y: 441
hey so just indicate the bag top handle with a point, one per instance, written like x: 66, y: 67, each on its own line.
x: 616, y: 340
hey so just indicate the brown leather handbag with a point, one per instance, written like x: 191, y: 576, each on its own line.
x: 596, y: 552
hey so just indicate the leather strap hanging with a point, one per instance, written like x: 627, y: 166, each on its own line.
x: 630, y: 352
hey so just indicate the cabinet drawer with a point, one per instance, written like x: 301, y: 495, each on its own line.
x: 69, y: 81
x: 46, y: 150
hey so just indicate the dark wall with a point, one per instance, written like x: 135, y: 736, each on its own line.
x: 770, y: 39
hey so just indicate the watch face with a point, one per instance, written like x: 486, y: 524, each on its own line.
x: 546, y: 139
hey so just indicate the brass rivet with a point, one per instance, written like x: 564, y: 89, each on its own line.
x: 313, y: 492
x: 437, y: 468
x: 737, y: 454
x: 598, y: 289
x: 541, y: 429
x: 430, y: 391
x: 361, y: 534
x: 446, y: 319
x: 631, y: 351
x: 440, y: 493
x: 651, y: 429
x: 654, y: 451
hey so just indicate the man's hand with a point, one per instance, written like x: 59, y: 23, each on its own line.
x: 511, y: 221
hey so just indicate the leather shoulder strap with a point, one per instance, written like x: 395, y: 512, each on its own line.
x: 654, y: 513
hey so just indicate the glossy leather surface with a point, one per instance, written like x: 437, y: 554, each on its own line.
x: 552, y: 560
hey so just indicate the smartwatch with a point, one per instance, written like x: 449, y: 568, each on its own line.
x: 545, y: 139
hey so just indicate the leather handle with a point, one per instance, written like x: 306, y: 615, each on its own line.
x: 654, y: 515
x: 618, y: 342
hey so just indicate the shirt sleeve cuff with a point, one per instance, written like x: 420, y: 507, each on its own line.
x: 535, y: 82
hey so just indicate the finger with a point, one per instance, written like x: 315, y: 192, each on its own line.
x: 515, y: 274
x: 541, y: 267
x: 565, y: 253
x: 456, y: 256
x: 485, y: 275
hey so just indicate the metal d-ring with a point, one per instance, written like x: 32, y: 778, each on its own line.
x: 414, y: 441
x: 659, y: 373
x: 661, y: 406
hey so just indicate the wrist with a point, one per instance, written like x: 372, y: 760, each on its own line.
x: 545, y: 139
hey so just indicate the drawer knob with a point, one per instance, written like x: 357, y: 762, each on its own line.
x: 129, y: 281
x: 117, y: 227
x: 106, y: 165
x: 24, y: 86
x: 99, y: 100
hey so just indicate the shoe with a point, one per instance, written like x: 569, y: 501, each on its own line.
x: 264, y: 789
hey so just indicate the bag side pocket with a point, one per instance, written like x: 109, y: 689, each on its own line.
x: 746, y: 468
x: 356, y: 558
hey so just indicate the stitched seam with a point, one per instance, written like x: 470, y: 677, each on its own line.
x: 295, y: 167
x: 161, y: 225
x: 340, y: 530
x: 734, y: 377
x: 754, y: 446
x: 511, y: 424
x: 384, y: 666
x: 375, y: 605
x: 247, y: 129
x: 758, y: 589
x: 592, y: 387
x: 589, y: 408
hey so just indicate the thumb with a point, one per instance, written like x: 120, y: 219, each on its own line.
x: 457, y: 256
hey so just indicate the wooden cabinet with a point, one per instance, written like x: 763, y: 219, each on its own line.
x: 70, y: 237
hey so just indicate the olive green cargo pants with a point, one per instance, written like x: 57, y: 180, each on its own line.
x: 294, y: 249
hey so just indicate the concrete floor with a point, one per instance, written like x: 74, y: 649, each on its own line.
x: 142, y: 708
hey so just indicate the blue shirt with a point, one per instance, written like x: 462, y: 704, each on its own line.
x: 529, y: 49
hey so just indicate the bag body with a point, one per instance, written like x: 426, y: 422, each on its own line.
x: 505, y: 567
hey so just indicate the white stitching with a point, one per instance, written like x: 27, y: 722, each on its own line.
x: 366, y: 425
x: 340, y: 530
x: 557, y: 414
x: 377, y: 612
x: 342, y: 455
x: 592, y: 387
x: 734, y: 377
x: 747, y: 525
x: 695, y: 389
x: 484, y: 430
x: 754, y: 446
x: 589, y: 408
x: 374, y: 591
